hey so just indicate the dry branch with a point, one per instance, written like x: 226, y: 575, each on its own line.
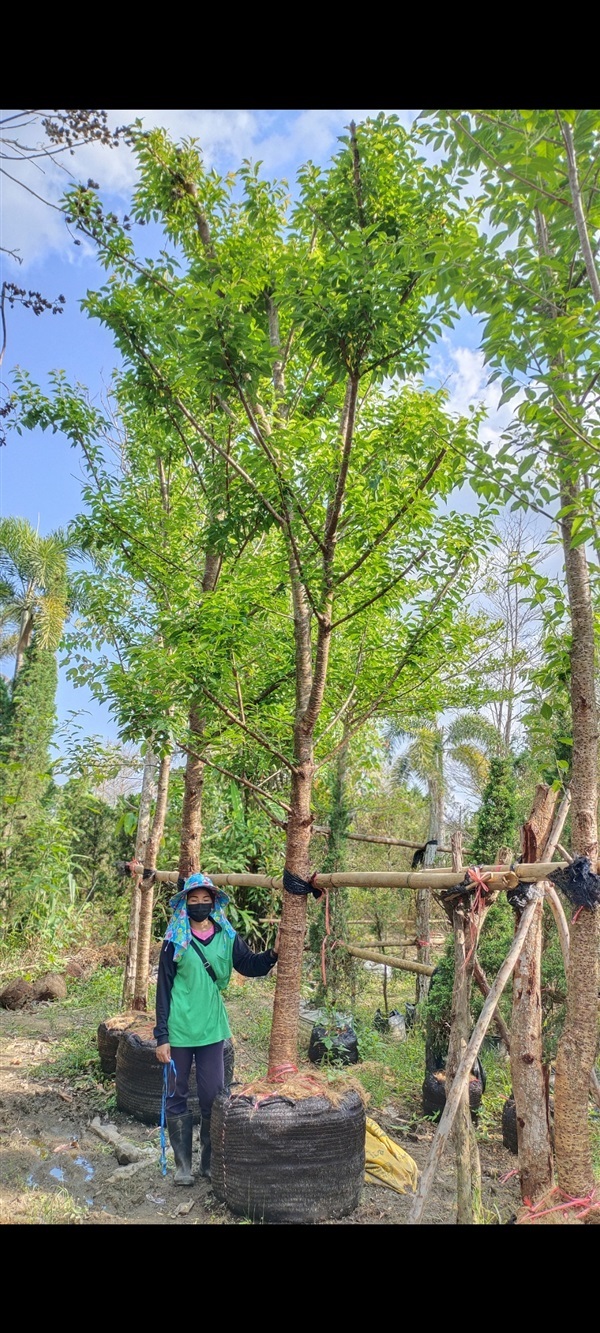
x: 466, y: 1063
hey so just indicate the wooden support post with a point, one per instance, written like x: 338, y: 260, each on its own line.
x: 462, y: 1074
x: 147, y: 796
x: 465, y: 942
x: 529, y: 1078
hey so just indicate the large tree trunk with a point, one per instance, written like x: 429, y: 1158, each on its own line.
x: 140, y: 998
x: 529, y: 1077
x: 147, y: 795
x: 191, y: 815
x: 578, y: 1043
x: 283, y: 1047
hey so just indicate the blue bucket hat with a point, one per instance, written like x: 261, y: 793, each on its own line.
x: 178, y: 930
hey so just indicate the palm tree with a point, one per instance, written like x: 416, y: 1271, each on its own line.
x: 470, y: 741
x: 33, y: 586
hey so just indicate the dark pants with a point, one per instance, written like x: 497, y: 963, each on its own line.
x: 210, y: 1076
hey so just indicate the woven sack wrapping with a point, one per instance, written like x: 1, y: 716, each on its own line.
x: 281, y: 1161
x: 139, y: 1078
x: 109, y: 1036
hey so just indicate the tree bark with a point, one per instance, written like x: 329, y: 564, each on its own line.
x: 191, y: 815
x: 283, y: 1045
x: 140, y: 997
x: 529, y: 1082
x: 24, y: 640
x: 578, y: 1043
x: 147, y: 795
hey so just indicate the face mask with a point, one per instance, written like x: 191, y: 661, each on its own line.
x: 199, y: 911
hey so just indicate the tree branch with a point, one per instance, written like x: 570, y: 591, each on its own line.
x: 244, y: 727
x: 392, y: 523
x: 381, y: 593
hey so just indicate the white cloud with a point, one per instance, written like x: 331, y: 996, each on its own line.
x: 282, y: 140
x: 464, y: 373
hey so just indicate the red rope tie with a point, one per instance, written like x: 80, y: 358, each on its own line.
x: 577, y: 913
x: 279, y: 1073
x: 481, y: 892
x: 423, y: 944
x: 503, y: 1179
x: 589, y: 1204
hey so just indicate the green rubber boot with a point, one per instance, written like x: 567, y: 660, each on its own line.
x: 181, y: 1128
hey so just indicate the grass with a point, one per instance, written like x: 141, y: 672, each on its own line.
x: 35, y: 1207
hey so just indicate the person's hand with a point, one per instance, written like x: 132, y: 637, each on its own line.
x: 277, y: 943
x: 163, y: 1054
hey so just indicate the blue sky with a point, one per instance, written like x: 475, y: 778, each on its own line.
x: 40, y: 475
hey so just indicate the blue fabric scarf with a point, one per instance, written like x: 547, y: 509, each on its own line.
x: 178, y: 930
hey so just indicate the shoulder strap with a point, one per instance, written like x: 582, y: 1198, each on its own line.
x: 207, y: 965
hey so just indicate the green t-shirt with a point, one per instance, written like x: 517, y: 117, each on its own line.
x: 197, y: 1015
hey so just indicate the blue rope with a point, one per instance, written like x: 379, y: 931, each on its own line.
x: 163, y: 1114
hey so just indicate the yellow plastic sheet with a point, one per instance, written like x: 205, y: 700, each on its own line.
x: 386, y: 1163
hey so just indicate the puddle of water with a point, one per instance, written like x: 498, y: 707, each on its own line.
x: 57, y: 1173
x: 32, y: 1183
x: 87, y: 1167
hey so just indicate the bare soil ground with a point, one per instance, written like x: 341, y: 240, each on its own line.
x: 55, y: 1169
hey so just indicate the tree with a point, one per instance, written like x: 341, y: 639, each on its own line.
x: 34, y: 586
x: 496, y: 822
x: 269, y: 350
x: 35, y: 594
x: 58, y: 132
x: 535, y: 281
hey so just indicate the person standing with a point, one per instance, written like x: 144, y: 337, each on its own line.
x: 200, y: 950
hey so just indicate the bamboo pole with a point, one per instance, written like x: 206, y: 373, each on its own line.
x: 462, y: 1074
x: 526, y: 873
x: 388, y: 960
x: 322, y: 831
x: 413, y: 943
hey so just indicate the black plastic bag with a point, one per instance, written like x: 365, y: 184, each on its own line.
x: 335, y: 1045
x: 381, y: 1022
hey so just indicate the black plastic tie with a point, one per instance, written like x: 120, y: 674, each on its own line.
x: 301, y: 887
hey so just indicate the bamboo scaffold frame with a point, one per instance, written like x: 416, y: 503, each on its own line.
x: 497, y: 878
